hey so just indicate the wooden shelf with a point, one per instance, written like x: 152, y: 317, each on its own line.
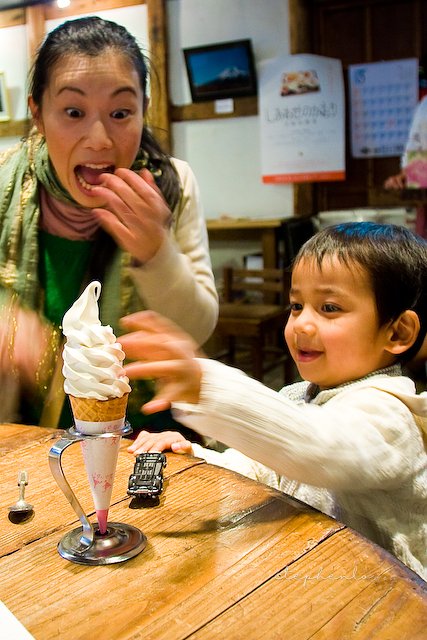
x: 206, y: 110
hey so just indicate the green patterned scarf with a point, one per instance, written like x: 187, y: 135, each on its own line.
x: 19, y: 215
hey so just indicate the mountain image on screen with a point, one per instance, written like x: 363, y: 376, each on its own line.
x: 229, y: 80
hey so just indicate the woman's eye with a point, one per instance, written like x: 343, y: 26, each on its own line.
x: 120, y: 114
x: 73, y: 112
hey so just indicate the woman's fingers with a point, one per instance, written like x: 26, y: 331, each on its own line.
x: 129, y: 194
x: 135, y: 213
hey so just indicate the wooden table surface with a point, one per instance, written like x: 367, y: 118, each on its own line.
x: 226, y: 557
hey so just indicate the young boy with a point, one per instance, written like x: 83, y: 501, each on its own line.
x: 350, y: 439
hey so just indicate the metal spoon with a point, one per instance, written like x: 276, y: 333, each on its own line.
x: 21, y: 509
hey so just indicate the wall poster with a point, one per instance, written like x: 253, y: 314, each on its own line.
x: 301, y: 107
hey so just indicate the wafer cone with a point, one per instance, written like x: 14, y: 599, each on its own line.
x: 99, y: 416
x: 96, y: 417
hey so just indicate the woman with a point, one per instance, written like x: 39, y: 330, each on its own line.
x: 90, y: 194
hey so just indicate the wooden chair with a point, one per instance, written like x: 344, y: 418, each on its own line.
x: 252, y: 314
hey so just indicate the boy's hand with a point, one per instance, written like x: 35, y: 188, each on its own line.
x: 164, y: 353
x: 163, y: 441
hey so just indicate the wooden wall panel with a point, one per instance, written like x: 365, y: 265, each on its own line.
x: 159, y: 118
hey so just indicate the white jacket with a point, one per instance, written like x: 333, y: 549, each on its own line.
x: 355, y: 452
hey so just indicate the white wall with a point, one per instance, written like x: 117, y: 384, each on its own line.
x: 225, y: 153
x: 14, y: 63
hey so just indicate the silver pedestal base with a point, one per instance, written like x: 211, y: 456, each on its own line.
x: 120, y: 542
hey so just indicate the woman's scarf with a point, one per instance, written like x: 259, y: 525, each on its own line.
x: 19, y: 215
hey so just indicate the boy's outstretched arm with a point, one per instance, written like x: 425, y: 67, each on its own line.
x: 165, y: 353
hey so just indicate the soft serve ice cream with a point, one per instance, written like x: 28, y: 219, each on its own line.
x: 98, y: 392
x: 92, y: 356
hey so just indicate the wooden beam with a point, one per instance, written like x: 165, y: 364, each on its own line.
x: 300, y: 42
x: 158, y: 112
x: 35, y: 19
x: 299, y: 32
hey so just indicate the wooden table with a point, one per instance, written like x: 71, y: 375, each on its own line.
x: 226, y: 558
x: 249, y: 228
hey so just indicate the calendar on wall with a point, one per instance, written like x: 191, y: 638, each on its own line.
x: 383, y: 96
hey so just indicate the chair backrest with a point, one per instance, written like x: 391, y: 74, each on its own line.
x: 256, y: 285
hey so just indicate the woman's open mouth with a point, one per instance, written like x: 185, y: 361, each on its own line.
x: 89, y: 175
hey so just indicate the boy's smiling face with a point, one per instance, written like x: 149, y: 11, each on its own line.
x: 333, y: 331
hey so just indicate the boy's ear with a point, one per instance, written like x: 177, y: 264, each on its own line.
x: 403, y: 332
x: 35, y: 113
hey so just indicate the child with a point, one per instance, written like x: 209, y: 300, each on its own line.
x: 348, y: 440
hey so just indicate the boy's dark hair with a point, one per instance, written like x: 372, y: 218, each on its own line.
x: 395, y: 260
x: 92, y: 36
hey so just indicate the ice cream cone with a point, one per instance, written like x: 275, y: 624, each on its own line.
x: 99, y: 416
x: 93, y: 361
x: 94, y: 417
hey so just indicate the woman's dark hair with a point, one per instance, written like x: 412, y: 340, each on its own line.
x: 394, y: 258
x: 91, y: 36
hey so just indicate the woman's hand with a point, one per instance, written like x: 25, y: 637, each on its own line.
x: 163, y: 441
x: 136, y: 214
x: 396, y: 182
x: 164, y: 353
